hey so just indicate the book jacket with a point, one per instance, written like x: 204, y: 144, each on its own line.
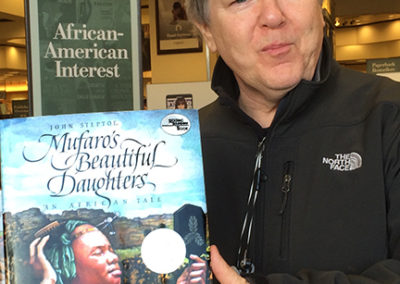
x: 114, y: 197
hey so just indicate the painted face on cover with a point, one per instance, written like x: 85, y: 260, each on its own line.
x: 95, y: 259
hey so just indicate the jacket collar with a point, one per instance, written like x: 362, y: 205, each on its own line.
x: 226, y: 87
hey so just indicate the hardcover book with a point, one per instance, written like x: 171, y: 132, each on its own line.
x: 114, y: 197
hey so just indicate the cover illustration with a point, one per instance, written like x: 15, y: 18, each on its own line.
x: 113, y: 197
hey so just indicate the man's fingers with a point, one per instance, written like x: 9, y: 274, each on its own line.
x: 218, y: 264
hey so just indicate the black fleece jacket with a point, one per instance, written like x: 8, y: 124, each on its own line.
x: 339, y: 141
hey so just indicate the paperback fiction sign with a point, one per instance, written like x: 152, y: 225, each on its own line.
x: 84, y: 55
x: 389, y: 67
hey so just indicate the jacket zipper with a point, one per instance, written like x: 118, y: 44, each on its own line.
x: 286, y: 185
x: 284, y: 211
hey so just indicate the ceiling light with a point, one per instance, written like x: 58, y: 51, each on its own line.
x: 16, y: 41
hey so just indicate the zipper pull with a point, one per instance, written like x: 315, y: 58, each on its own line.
x: 286, y: 186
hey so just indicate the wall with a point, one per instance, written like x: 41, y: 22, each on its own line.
x: 13, y: 32
x: 12, y: 58
x: 366, y: 7
x: 381, y: 40
x: 172, y: 68
x: 177, y: 73
x: 13, y: 7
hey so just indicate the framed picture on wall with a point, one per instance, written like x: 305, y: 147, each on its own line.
x: 175, y: 33
x: 179, y: 101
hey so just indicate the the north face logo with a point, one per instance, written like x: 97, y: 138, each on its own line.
x: 344, y: 162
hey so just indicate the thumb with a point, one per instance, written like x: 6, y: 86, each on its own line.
x: 221, y: 269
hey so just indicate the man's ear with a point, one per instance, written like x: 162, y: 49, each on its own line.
x: 207, y: 36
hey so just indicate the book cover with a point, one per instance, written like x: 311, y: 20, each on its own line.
x: 115, y: 197
x: 2, y: 261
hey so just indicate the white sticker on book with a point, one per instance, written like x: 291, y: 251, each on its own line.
x: 175, y: 124
x: 163, y: 251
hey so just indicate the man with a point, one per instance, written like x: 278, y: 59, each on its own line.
x: 301, y: 156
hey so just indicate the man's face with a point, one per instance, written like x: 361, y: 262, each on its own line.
x: 95, y: 260
x: 269, y: 44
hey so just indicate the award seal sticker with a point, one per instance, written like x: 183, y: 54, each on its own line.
x: 163, y: 251
x: 175, y: 124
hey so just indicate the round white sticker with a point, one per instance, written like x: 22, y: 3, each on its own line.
x: 163, y: 251
x: 175, y: 124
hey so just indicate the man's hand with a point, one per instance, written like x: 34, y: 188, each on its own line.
x: 222, y: 271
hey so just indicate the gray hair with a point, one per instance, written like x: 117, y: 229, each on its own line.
x: 198, y: 10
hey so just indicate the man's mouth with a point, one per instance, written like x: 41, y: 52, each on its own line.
x: 277, y: 49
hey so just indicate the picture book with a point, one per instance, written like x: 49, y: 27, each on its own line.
x: 111, y: 197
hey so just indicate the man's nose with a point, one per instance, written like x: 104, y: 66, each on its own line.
x: 271, y: 13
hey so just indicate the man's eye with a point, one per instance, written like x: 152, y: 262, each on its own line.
x: 238, y: 2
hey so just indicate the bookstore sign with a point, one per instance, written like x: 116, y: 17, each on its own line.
x: 377, y: 66
x: 389, y: 67
x: 84, y: 55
